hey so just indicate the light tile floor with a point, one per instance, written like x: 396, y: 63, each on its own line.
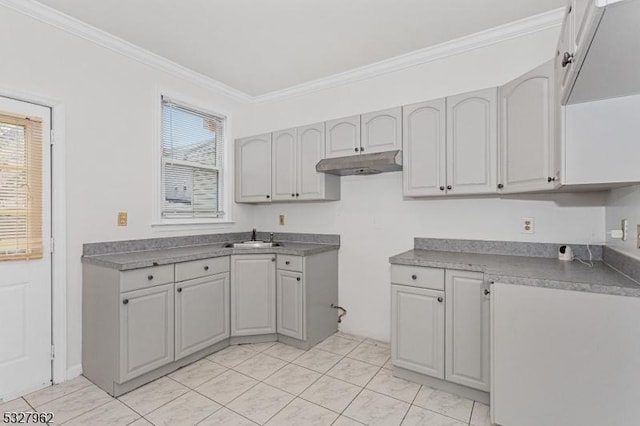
x: 345, y: 380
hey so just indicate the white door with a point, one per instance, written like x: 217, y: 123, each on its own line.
x: 284, y: 165
x: 343, y: 137
x: 424, y: 145
x: 310, y: 150
x: 25, y: 248
x: 381, y: 131
x: 472, y: 142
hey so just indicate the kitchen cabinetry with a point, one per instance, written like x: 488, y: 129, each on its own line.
x: 450, y: 145
x: 467, y: 329
x: 559, y: 356
x: 529, y: 158
x: 253, y: 294
x: 290, y: 303
x: 295, y: 153
x: 343, y: 137
x: 381, y: 131
x: 253, y: 169
x: 440, y: 328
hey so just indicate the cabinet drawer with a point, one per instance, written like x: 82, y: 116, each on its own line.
x: 418, y: 276
x: 289, y: 263
x: 201, y: 268
x: 146, y: 277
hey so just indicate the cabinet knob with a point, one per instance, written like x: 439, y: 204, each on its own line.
x: 149, y: 277
x: 361, y: 149
x: 356, y: 149
x: 486, y: 292
x: 273, y: 259
x: 567, y: 59
x: 293, y: 195
x: 268, y: 196
x: 125, y: 302
x: 500, y: 186
x: 551, y: 179
x: 206, y: 267
x: 287, y: 262
x: 298, y: 278
x: 449, y: 187
x: 179, y: 289
x: 442, y: 188
x: 414, y: 277
x: 297, y: 195
x: 440, y: 299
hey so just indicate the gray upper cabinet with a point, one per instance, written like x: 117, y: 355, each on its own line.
x: 472, y: 142
x: 381, y: 131
x: 290, y: 304
x: 467, y: 329
x: 528, y: 148
x: 343, y: 137
x: 424, y: 148
x: 284, y: 163
x: 310, y: 149
x: 253, y: 169
x: 417, y: 329
x: 253, y: 294
x: 202, y: 313
x: 146, y: 330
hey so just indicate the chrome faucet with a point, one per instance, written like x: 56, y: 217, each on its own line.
x: 271, y: 237
x: 253, y: 234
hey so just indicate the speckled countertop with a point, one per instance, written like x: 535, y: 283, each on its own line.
x: 530, y: 271
x: 146, y: 258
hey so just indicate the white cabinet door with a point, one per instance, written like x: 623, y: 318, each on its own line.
x: 284, y: 164
x: 417, y: 330
x: 472, y: 142
x: 467, y: 329
x: 343, y: 137
x: 310, y: 150
x: 253, y: 294
x: 253, y: 169
x: 424, y: 148
x: 290, y: 304
x: 527, y: 137
x: 146, y: 330
x: 381, y: 131
x: 202, y: 313
x: 566, y: 49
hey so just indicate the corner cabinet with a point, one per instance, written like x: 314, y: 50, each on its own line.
x: 253, y: 294
x: 292, y: 155
x: 529, y: 152
x: 253, y: 169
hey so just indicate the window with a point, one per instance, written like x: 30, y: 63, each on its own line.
x: 192, y: 170
x: 20, y: 187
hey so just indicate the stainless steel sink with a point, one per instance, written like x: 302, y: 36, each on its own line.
x: 252, y: 244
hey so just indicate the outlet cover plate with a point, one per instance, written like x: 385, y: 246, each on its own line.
x: 527, y: 225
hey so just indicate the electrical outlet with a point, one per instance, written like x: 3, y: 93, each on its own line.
x: 122, y: 218
x: 281, y: 220
x: 527, y: 226
x: 624, y: 225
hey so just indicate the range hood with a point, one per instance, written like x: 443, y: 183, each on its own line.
x: 363, y: 164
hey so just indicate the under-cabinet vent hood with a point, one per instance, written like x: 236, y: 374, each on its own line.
x: 363, y: 164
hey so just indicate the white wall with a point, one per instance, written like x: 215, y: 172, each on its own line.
x: 109, y: 135
x: 374, y: 220
x: 624, y: 203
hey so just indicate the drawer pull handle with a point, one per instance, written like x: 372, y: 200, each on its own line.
x: 179, y: 289
x: 298, y: 278
x: 414, y: 277
x: 125, y: 302
x: 440, y: 299
x: 287, y: 262
x: 150, y: 277
x: 206, y: 268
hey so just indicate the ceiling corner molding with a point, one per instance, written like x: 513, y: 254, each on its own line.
x: 88, y: 32
x: 515, y: 29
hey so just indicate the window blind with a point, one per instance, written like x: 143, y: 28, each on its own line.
x: 192, y: 162
x: 20, y: 187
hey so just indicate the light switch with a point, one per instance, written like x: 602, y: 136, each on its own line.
x: 122, y: 218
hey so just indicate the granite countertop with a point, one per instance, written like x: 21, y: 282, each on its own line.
x: 524, y: 270
x: 146, y: 258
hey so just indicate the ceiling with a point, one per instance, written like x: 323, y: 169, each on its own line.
x: 262, y: 46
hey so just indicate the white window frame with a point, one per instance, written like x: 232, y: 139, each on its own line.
x: 162, y: 223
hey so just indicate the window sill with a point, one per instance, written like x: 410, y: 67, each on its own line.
x: 181, y: 224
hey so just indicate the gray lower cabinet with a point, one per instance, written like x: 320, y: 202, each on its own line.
x: 253, y: 294
x: 202, y: 313
x: 440, y: 327
x: 146, y: 330
x: 290, y: 304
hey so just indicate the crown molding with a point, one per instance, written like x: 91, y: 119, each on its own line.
x: 55, y: 18
x: 511, y: 30
x: 457, y: 46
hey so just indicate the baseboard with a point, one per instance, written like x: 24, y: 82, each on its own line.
x: 73, y: 372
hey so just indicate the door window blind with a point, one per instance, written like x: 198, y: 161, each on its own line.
x: 192, y: 162
x: 20, y: 187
